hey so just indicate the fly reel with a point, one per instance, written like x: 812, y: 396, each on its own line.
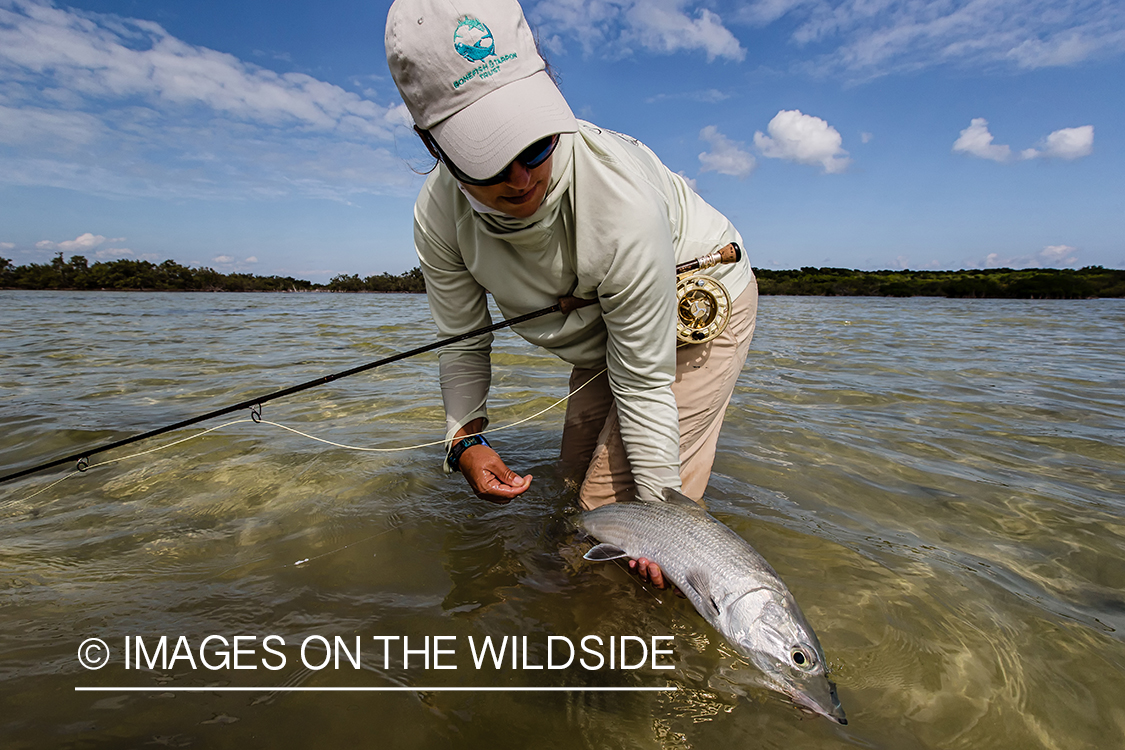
x: 702, y: 308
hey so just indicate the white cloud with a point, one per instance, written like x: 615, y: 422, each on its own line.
x: 805, y: 139
x: 400, y: 115
x: 615, y: 27
x: 1051, y: 256
x: 663, y: 26
x: 1067, y: 143
x: 765, y: 12
x: 7, y: 246
x: 30, y: 125
x: 231, y: 264
x: 1065, y: 48
x: 975, y: 140
x: 83, y: 243
x: 866, y: 137
x: 869, y: 38
x: 118, y: 106
x: 1062, y: 254
x: 726, y: 156
x: 103, y: 58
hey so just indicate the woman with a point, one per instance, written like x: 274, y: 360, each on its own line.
x: 528, y: 205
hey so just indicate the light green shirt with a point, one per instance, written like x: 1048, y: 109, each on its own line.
x: 613, y: 225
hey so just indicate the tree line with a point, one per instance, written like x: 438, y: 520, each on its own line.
x: 141, y: 275
x: 1005, y: 283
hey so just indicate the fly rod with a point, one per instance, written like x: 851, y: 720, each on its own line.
x: 728, y: 254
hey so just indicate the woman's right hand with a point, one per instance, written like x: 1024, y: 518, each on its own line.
x: 489, y: 477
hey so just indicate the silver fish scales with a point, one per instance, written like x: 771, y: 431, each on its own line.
x: 729, y: 583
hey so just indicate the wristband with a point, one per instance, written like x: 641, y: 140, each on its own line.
x: 460, y: 447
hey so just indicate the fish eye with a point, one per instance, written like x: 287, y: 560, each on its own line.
x: 801, y: 658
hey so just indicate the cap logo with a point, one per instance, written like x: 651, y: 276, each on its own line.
x: 473, y: 41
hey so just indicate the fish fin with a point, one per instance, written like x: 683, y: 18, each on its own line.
x: 604, y: 552
x: 698, y: 581
x: 678, y: 498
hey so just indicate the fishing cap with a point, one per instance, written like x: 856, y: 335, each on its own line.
x: 471, y: 75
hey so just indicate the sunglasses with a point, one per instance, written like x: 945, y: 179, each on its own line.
x: 531, y: 157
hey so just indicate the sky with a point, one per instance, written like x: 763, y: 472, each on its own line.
x: 268, y: 137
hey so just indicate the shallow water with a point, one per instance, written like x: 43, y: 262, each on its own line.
x: 940, y: 482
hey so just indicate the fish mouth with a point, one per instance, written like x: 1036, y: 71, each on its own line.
x: 819, y: 697
x: 809, y: 693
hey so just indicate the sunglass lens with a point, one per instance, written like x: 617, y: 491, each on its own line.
x: 531, y: 157
x: 538, y: 152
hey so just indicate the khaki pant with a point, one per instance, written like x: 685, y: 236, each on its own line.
x: 705, y: 378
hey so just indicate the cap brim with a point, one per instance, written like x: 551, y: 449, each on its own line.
x: 486, y: 136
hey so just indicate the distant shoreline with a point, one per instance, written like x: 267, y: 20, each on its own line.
x: 195, y: 291
x: 1091, y: 282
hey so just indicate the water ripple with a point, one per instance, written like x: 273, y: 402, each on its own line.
x: 940, y: 482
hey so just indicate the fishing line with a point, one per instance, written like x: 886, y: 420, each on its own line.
x: 256, y: 419
x: 313, y: 558
x: 648, y: 589
x: 435, y: 442
x: 564, y: 305
x: 731, y: 253
x: 89, y: 466
x: 689, y: 305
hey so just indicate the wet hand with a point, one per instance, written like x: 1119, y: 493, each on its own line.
x: 648, y: 571
x: 489, y: 477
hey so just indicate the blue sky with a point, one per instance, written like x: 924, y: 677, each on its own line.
x: 268, y: 137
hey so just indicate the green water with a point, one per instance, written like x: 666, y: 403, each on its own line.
x: 940, y: 483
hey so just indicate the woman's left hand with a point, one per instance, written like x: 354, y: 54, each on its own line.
x: 490, y: 477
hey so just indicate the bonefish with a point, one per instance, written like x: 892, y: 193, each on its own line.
x: 730, y: 584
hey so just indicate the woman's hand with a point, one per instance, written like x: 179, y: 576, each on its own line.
x: 650, y: 571
x: 489, y: 476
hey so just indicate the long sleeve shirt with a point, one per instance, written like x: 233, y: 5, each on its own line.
x: 613, y: 225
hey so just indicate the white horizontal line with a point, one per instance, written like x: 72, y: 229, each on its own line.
x: 371, y: 689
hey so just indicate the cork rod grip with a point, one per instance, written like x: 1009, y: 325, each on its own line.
x: 731, y: 253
